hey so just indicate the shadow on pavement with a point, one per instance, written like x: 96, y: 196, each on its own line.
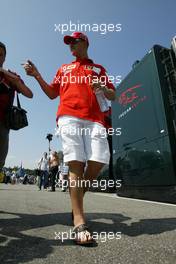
x: 20, y: 248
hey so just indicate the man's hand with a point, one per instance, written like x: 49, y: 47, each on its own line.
x: 9, y: 76
x: 98, y: 86
x: 109, y: 93
x: 31, y: 69
x: 16, y: 81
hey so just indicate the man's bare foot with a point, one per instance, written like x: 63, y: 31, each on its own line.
x: 82, y: 235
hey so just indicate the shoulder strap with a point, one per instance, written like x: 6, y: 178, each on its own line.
x: 18, y: 101
x: 11, y: 95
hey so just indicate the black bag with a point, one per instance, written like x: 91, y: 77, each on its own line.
x: 16, y: 116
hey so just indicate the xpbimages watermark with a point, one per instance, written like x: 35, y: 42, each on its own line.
x: 102, y: 236
x: 102, y: 131
x: 102, y: 28
x: 89, y: 79
x: 83, y: 183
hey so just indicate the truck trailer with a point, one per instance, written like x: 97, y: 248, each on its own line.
x: 144, y: 155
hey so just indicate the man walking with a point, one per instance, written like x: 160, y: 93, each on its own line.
x: 43, y: 166
x: 86, y: 151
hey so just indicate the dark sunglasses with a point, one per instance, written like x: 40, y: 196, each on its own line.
x: 75, y: 41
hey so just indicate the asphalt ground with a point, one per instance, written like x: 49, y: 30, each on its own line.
x: 35, y: 228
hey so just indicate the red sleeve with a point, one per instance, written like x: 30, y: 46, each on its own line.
x: 105, y: 79
x: 109, y: 84
x: 55, y: 84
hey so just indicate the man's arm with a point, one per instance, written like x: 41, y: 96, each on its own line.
x: 39, y: 163
x: 16, y: 81
x: 108, y: 92
x: 22, y: 88
x: 31, y: 70
x: 105, y: 85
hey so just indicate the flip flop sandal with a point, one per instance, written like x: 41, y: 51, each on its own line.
x: 81, y: 232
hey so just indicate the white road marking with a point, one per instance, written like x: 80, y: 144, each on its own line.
x: 132, y: 199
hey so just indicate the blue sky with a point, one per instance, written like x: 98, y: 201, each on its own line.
x: 28, y: 30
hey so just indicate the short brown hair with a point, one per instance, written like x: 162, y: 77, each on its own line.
x: 2, y: 45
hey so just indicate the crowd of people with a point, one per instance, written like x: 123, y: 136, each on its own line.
x: 51, y: 172
x: 83, y: 103
x: 13, y: 177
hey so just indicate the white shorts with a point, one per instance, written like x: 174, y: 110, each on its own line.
x: 83, y: 140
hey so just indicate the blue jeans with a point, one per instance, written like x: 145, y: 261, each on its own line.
x: 43, y: 180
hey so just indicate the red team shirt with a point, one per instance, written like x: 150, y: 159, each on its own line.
x: 72, y: 83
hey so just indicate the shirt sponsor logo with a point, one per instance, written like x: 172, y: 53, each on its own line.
x: 68, y: 67
x: 88, y: 67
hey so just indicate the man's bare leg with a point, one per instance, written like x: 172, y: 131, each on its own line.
x: 76, y: 170
x: 91, y: 173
